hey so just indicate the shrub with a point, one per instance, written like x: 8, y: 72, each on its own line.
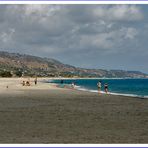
x: 5, y: 74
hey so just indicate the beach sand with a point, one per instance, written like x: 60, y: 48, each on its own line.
x: 47, y: 114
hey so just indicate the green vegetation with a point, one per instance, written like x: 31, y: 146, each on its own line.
x: 5, y: 74
x: 18, y: 73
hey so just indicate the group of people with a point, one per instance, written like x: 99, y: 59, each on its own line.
x: 27, y: 83
x: 100, y: 85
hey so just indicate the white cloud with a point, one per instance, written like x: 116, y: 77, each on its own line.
x: 131, y: 33
x: 41, y: 13
x: 108, y: 42
x: 6, y: 37
x: 119, y: 13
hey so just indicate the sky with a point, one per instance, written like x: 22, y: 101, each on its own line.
x: 88, y: 36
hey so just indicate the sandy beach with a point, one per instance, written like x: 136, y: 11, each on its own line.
x: 47, y: 114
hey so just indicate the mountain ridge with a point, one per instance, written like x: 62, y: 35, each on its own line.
x: 29, y: 65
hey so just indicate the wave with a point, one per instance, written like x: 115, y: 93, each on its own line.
x: 111, y: 93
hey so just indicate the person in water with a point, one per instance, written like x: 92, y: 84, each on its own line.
x: 99, y: 86
x: 106, y: 88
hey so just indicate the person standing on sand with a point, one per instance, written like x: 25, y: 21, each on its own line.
x: 99, y: 86
x: 28, y: 83
x: 106, y: 88
x: 35, y: 81
x: 23, y: 83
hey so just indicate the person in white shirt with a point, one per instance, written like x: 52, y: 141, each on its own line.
x: 99, y: 86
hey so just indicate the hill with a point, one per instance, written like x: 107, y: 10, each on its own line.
x: 15, y: 64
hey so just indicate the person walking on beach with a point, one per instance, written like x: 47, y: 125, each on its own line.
x: 99, y: 86
x: 106, y: 88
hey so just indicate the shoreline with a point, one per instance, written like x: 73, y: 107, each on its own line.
x: 102, y: 92
x: 116, y: 94
x: 44, y: 83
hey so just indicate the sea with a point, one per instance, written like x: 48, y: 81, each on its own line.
x: 116, y: 86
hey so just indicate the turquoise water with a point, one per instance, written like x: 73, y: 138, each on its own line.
x: 130, y: 87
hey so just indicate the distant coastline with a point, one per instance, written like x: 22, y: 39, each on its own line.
x: 17, y: 65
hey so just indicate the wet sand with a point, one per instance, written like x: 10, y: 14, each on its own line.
x: 46, y: 114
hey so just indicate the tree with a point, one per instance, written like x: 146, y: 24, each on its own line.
x: 18, y: 73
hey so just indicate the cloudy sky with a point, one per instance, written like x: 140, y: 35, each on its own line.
x: 89, y: 36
